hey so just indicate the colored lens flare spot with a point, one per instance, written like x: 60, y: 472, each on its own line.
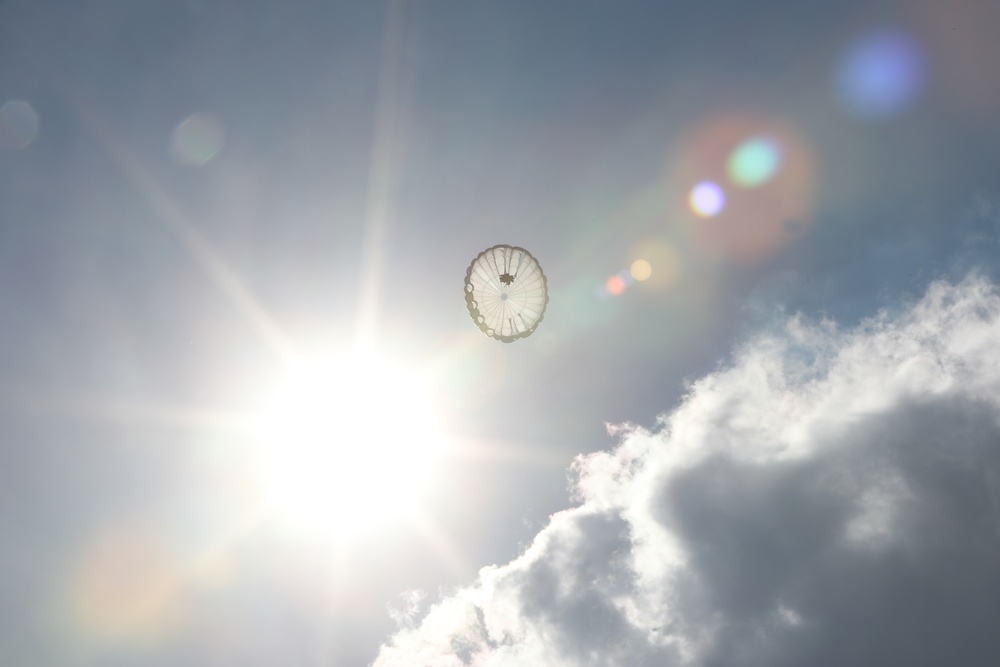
x: 754, y: 162
x: 707, y: 199
x: 197, y: 139
x: 127, y: 588
x: 728, y: 157
x: 881, y: 74
x: 18, y: 125
x: 616, y: 285
x: 659, y: 255
x: 641, y: 270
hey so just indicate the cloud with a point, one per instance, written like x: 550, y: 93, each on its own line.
x: 408, y: 608
x: 830, y: 497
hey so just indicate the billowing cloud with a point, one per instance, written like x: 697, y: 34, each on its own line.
x: 831, y: 497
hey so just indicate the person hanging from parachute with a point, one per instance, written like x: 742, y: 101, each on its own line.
x: 506, y: 292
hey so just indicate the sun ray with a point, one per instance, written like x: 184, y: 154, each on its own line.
x: 541, y: 456
x: 386, y: 144
x: 194, y: 242
x: 440, y: 543
x: 89, y: 407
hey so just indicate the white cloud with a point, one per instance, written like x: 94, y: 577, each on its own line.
x: 832, y: 497
x: 408, y: 607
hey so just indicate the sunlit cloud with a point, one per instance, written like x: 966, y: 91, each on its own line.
x: 881, y: 74
x: 408, y: 607
x: 18, y: 125
x: 824, y: 483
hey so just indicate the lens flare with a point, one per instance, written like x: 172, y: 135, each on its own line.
x: 127, y: 589
x: 616, y: 285
x: 197, y: 139
x: 641, y: 270
x: 663, y: 268
x: 754, y: 162
x: 18, y: 125
x: 707, y: 199
x: 881, y: 74
x: 770, y: 202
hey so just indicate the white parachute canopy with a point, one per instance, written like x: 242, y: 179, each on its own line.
x: 506, y: 292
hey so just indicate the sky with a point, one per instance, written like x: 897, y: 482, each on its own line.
x: 245, y: 417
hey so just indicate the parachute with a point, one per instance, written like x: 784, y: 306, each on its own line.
x: 506, y: 292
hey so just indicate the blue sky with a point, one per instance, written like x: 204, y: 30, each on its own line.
x: 192, y: 193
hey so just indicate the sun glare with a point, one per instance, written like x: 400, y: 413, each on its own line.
x: 347, y: 443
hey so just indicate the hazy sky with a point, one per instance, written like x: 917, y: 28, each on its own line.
x: 757, y: 424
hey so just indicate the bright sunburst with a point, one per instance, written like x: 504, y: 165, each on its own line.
x: 347, y: 442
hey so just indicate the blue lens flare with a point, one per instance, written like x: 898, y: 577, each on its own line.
x: 881, y: 74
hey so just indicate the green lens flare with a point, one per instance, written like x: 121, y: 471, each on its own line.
x: 754, y: 162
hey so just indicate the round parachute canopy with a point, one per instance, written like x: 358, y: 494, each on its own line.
x: 506, y: 292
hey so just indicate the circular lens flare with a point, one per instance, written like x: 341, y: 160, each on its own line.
x: 18, y: 125
x: 754, y: 162
x: 197, y: 139
x: 127, y: 588
x: 707, y: 199
x: 641, y: 270
x: 749, y: 224
x: 615, y: 285
x: 881, y: 74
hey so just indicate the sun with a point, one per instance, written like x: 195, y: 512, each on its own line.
x: 347, y: 442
